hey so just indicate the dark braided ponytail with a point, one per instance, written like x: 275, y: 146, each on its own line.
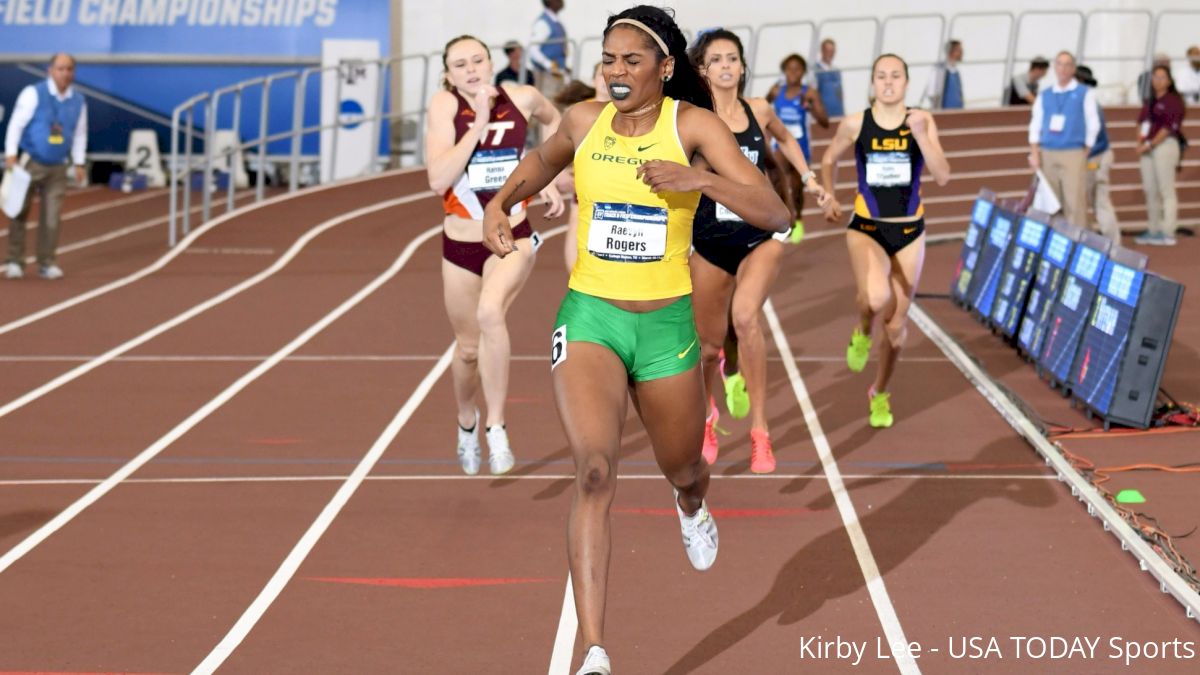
x: 685, y: 84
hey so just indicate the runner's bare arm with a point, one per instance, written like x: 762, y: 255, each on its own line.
x: 733, y: 181
x: 770, y: 122
x: 924, y: 129
x: 446, y: 160
x: 536, y: 170
x: 843, y: 139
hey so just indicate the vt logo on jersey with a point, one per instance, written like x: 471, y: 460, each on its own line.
x: 497, y: 129
x: 889, y: 144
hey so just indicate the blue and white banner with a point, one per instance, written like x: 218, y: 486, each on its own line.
x: 208, y: 27
x: 187, y: 30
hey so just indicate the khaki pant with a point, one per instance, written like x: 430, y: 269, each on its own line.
x: 1099, y: 168
x: 1158, y: 182
x: 549, y: 83
x: 52, y: 181
x: 1066, y: 173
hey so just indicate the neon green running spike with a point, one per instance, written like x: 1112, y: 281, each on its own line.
x: 797, y: 234
x: 737, y: 401
x: 858, y: 351
x: 881, y: 410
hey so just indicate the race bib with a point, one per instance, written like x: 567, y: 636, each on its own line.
x: 725, y: 215
x: 888, y: 169
x: 558, y: 346
x: 1058, y: 122
x: 488, y: 169
x: 627, y: 232
x: 536, y: 240
x: 796, y: 130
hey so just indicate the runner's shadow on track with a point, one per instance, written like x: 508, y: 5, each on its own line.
x: 843, y: 403
x: 826, y: 569
x: 633, y: 441
x: 1183, y: 362
x: 22, y: 522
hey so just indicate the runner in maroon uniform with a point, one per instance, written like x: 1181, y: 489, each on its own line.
x: 467, y: 162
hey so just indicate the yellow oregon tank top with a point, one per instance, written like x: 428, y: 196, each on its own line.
x: 633, y: 244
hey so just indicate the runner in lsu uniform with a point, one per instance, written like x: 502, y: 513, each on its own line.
x: 793, y: 101
x: 626, y: 327
x: 886, y: 235
x: 467, y: 162
x: 736, y: 262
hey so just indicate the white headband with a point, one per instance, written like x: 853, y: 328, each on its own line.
x: 638, y: 24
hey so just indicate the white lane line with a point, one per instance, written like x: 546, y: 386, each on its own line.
x: 1097, y: 504
x: 360, y: 358
x: 124, y: 231
x: 300, y: 551
x: 96, y: 208
x: 564, y: 637
x: 305, y: 545
x: 83, y: 369
x: 56, y: 523
x: 858, y: 539
x: 180, y: 247
x: 206, y: 480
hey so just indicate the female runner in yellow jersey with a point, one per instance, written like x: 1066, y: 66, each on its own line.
x: 886, y: 235
x: 626, y: 326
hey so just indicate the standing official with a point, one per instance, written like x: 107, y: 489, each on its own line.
x: 48, y: 128
x: 1062, y: 132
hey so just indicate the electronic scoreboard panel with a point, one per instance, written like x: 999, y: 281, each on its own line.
x: 981, y: 218
x: 1070, y: 313
x: 1018, y: 271
x: 985, y: 278
x: 1047, y: 282
x: 1125, y: 344
x: 1107, y: 332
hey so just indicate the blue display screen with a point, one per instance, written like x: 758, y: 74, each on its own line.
x: 973, y: 235
x: 1000, y: 231
x: 1032, y: 234
x: 1122, y: 283
x: 1057, y: 249
x: 982, y: 211
x: 1088, y: 264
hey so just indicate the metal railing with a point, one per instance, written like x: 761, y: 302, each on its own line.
x: 196, y: 119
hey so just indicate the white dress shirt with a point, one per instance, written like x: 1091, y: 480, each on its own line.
x: 1187, y: 81
x: 1091, y: 113
x: 22, y: 114
x: 541, y: 33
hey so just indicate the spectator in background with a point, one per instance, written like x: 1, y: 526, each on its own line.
x: 1145, y: 90
x: 1100, y: 161
x: 1024, y: 87
x: 512, y: 72
x: 1160, y: 127
x: 548, y: 49
x: 49, y: 126
x: 828, y: 80
x: 793, y: 101
x: 945, y: 91
x: 1062, y: 131
x: 1188, y: 80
